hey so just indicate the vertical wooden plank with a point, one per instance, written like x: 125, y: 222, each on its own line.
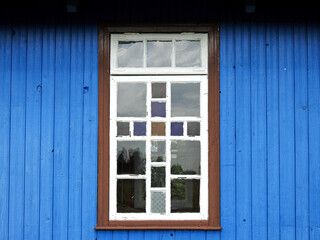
x: 155, y: 235
x: 227, y: 130
x: 47, y: 132
x: 301, y: 130
x: 272, y: 64
x: 76, y: 128
x: 120, y: 235
x: 33, y: 123
x: 243, y: 132
x: 90, y: 132
x: 213, y: 235
x: 133, y: 235
x: 259, y: 131
x: 104, y: 235
x: 17, y: 132
x: 181, y: 235
x: 61, y: 132
x: 314, y: 128
x: 287, y: 136
x: 5, y: 96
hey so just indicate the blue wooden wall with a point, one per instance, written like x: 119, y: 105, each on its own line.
x: 270, y: 133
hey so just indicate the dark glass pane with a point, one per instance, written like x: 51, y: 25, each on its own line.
x: 193, y: 129
x: 158, y: 151
x: 188, y: 53
x: 185, y: 157
x: 158, y: 177
x: 123, y: 129
x: 131, y: 157
x: 185, y: 195
x: 139, y: 129
x: 158, y: 109
x: 158, y: 202
x: 131, y: 195
x: 159, y: 53
x: 176, y: 129
x: 158, y: 129
x: 131, y: 100
x: 130, y: 54
x: 185, y: 99
x: 158, y: 90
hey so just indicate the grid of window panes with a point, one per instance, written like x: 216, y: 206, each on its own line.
x: 158, y: 130
x: 158, y: 141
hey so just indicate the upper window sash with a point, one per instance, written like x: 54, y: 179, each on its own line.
x: 174, y: 46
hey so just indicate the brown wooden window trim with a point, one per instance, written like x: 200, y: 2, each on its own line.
x: 213, y: 222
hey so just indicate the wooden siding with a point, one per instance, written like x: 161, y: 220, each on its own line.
x: 269, y: 124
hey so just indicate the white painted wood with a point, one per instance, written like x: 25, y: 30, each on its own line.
x: 158, y: 75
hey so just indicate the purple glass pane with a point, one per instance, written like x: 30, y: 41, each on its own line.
x: 176, y: 129
x: 158, y: 109
x: 139, y: 128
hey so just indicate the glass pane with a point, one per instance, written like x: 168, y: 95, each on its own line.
x: 177, y: 129
x: 158, y: 90
x: 158, y: 202
x: 158, y: 109
x: 158, y: 177
x: 131, y: 100
x: 185, y: 195
x: 185, y: 157
x: 139, y: 129
x: 158, y: 129
x: 123, y: 129
x: 158, y: 151
x: 131, y: 157
x: 130, y: 54
x: 193, y: 129
x: 188, y: 53
x: 185, y: 99
x: 159, y: 53
x: 131, y: 195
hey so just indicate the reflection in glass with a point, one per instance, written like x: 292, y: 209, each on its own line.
x: 139, y: 129
x: 130, y: 54
x: 158, y: 151
x: 158, y: 90
x: 159, y: 53
x: 193, y: 129
x: 131, y: 157
x: 185, y: 157
x: 185, y: 99
x: 131, y: 195
x: 158, y: 177
x: 177, y: 129
x: 158, y: 109
x: 131, y: 100
x: 185, y: 195
x: 123, y: 129
x: 158, y: 129
x: 188, y: 53
x: 158, y: 202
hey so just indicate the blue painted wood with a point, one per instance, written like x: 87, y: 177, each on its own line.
x: 5, y: 95
x: 47, y: 132
x: 287, y: 135
x: 61, y: 133
x: 243, y: 132
x: 136, y: 235
x: 272, y: 63
x: 17, y: 132
x: 314, y: 128
x: 76, y: 128
x: 120, y: 235
x: 33, y: 125
x: 227, y: 130
x: 301, y: 130
x: 259, y: 131
x: 213, y: 235
x: 90, y: 132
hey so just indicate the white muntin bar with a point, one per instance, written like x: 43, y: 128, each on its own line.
x: 148, y: 150
x: 131, y: 176
x: 168, y: 148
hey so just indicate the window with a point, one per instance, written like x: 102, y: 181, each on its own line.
x: 158, y: 128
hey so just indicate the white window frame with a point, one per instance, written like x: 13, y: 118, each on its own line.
x: 190, y: 75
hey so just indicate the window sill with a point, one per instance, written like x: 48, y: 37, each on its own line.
x: 158, y: 225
